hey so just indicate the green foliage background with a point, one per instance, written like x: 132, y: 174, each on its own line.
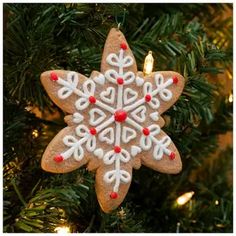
x: 193, y: 39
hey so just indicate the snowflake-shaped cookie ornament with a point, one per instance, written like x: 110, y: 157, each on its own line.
x: 114, y: 121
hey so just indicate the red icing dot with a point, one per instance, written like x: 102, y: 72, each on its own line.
x: 175, y: 79
x: 113, y: 195
x: 92, y: 99
x: 58, y: 158
x: 120, y: 115
x: 93, y: 131
x: 120, y: 81
x: 172, y: 155
x: 117, y: 149
x: 53, y: 76
x: 123, y: 46
x: 146, y: 131
x: 148, y: 98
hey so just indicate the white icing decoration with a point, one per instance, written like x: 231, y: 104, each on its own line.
x: 154, y: 116
x: 125, y: 176
x: 139, y: 81
x: 73, y: 79
x: 154, y: 103
x: 157, y: 152
x: 105, y: 124
x: 145, y: 142
x: 100, y: 79
x: 159, y: 79
x: 110, y: 176
x: 109, y: 157
x: 128, y: 134
x: 79, y: 153
x: 128, y: 61
x: 135, y: 105
x: 128, y: 77
x: 69, y: 85
x: 118, y: 134
x: 154, y: 129
x: 75, y: 147
x: 105, y: 107
x: 99, y: 153
x: 64, y: 92
x: 129, y: 96
x: 165, y: 141
x: 135, y: 150
x: 147, y: 88
x: 113, y: 60
x: 113, y: 175
x: 120, y: 97
x: 96, y: 120
x: 108, y: 95
x: 166, y: 95
x: 125, y: 99
x: 69, y: 140
x: 160, y: 148
x: 82, y: 131
x: 77, y: 117
x: 91, y: 143
x: 81, y: 103
x: 107, y: 135
x: 139, y: 114
x: 124, y: 156
x: 121, y: 62
x: 89, y: 87
x: 111, y: 75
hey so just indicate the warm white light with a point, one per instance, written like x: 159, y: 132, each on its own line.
x: 35, y: 133
x: 231, y: 97
x: 148, y: 64
x: 183, y: 199
x: 217, y: 202
x: 62, y: 230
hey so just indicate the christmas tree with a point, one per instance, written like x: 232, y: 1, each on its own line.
x: 192, y: 39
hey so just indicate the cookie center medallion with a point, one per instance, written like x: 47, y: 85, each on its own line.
x: 120, y: 115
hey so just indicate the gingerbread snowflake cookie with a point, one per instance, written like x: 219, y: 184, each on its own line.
x: 114, y: 121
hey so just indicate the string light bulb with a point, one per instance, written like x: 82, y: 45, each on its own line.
x: 183, y: 199
x: 230, y: 97
x: 35, y: 133
x: 62, y: 230
x: 148, y: 64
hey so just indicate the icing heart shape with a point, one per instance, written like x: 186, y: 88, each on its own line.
x: 96, y: 120
x: 154, y: 103
x: 100, y: 79
x: 108, y: 95
x: 139, y: 81
x: 154, y: 116
x: 129, y: 96
x: 128, y: 134
x: 139, y: 114
x: 135, y: 150
x: 107, y: 135
x: 99, y: 153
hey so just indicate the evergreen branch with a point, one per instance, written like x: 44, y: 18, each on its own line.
x: 18, y: 192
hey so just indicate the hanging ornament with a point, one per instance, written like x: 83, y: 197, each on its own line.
x: 114, y: 121
x: 148, y: 64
